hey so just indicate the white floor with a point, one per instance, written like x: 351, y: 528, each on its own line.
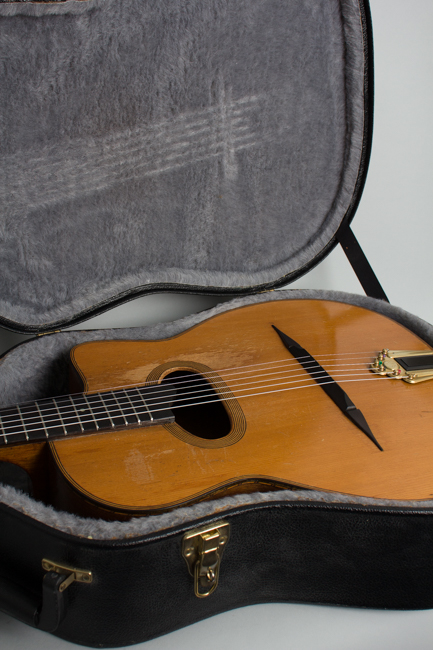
x: 268, y: 627
x: 395, y: 227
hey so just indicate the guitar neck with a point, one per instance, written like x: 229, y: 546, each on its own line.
x: 81, y: 414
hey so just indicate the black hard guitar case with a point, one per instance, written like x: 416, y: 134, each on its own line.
x: 213, y: 147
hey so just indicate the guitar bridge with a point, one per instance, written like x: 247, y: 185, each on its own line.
x: 409, y: 365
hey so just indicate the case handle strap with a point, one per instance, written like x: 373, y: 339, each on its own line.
x: 53, y: 609
x: 24, y: 605
x: 360, y: 264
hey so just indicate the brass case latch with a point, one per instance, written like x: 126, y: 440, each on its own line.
x: 202, y: 549
x: 72, y: 575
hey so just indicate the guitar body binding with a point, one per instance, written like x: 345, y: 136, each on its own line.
x: 279, y: 438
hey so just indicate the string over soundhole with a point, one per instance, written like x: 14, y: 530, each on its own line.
x: 197, y: 407
x: 206, y: 412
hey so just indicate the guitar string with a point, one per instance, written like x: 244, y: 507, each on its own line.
x: 237, y: 369
x: 73, y: 402
x: 132, y: 424
x: 186, y: 379
x: 290, y: 362
x: 73, y: 399
x: 198, y: 403
x: 287, y: 362
x: 218, y: 399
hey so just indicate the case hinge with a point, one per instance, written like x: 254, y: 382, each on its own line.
x: 72, y: 575
x: 202, y: 549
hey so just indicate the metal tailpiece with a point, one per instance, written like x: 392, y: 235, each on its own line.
x: 409, y: 365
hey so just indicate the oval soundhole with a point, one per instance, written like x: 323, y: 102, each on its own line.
x: 199, y: 410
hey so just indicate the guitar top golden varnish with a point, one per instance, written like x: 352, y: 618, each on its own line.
x: 246, y: 414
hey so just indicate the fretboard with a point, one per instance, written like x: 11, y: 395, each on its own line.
x: 80, y: 414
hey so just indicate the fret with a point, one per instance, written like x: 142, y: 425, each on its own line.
x: 108, y: 412
x: 72, y: 426
x: 60, y: 416
x: 116, y: 416
x: 52, y: 418
x: 22, y: 422
x: 121, y: 409
x: 91, y: 411
x: 42, y: 420
x: 85, y: 419
x: 76, y: 413
x: 33, y: 421
x: 12, y: 426
x: 146, y: 415
x: 3, y: 433
x: 161, y: 403
x: 99, y: 411
x: 127, y: 411
x: 132, y: 406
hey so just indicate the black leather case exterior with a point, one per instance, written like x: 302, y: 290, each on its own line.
x: 298, y: 552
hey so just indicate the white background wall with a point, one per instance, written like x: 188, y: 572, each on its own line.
x: 394, y: 222
x: 394, y: 226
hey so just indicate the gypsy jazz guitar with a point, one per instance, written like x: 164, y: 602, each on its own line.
x: 310, y: 394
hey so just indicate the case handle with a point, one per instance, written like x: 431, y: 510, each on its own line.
x: 47, y: 615
x: 27, y: 607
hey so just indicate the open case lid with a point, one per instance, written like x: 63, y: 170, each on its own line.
x: 179, y: 145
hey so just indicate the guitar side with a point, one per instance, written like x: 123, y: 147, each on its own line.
x: 291, y: 438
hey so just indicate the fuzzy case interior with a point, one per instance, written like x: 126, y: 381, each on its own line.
x: 207, y: 144
x: 39, y: 368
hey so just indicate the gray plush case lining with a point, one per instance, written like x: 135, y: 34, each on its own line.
x: 39, y: 368
x: 206, y: 144
x: 202, y: 144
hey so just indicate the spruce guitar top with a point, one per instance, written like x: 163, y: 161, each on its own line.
x: 277, y: 394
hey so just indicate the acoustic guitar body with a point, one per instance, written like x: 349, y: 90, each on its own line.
x: 261, y: 434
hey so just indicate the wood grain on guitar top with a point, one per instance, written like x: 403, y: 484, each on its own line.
x: 292, y: 437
